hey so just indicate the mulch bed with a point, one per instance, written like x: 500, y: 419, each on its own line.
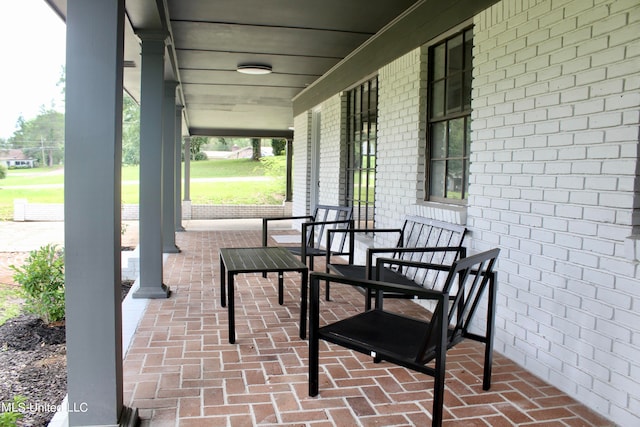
x: 33, y: 364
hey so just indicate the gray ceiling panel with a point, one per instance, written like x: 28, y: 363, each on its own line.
x: 315, y: 48
x: 265, y: 40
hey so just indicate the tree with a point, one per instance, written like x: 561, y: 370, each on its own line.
x: 279, y: 146
x: 130, y: 131
x: 41, y: 138
x: 255, y: 144
x: 196, y: 144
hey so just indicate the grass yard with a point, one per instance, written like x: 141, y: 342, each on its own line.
x: 10, y: 302
x: 45, y: 185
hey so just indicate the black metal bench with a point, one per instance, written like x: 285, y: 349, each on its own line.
x: 415, y: 240
x: 410, y: 341
x: 324, y: 219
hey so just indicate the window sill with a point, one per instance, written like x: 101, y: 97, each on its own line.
x: 454, y: 214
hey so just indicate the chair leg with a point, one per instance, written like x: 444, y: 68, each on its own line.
x: 326, y: 291
x: 440, y: 363
x: 367, y: 301
x: 488, y: 345
x: 314, y: 318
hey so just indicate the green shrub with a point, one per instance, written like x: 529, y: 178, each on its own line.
x: 3, y: 171
x: 200, y: 156
x: 11, y: 417
x: 279, y: 146
x: 42, y: 281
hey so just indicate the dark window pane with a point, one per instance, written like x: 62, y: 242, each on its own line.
x: 468, y: 49
x: 373, y: 130
x: 454, y: 94
x: 454, y: 179
x: 437, y: 99
x: 457, y: 133
x: 373, y: 98
x: 365, y: 98
x: 466, y: 91
x: 436, y: 182
x: 439, y: 140
x: 356, y: 185
x: 455, y: 55
x: 439, y: 62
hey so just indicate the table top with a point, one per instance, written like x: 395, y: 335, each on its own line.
x: 260, y: 259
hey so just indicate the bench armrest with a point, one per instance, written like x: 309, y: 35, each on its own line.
x: 460, y: 253
x: 305, y: 231
x: 382, y: 262
x: 375, y: 285
x: 352, y: 232
x: 265, y: 224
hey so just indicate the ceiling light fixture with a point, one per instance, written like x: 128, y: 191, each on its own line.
x: 254, y: 69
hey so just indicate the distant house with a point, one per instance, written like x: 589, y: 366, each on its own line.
x: 14, y: 158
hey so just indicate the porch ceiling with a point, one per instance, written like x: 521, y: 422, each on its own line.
x: 304, y: 41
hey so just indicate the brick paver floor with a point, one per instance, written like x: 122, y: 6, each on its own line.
x: 181, y: 370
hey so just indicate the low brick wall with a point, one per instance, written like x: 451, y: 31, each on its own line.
x: 25, y: 211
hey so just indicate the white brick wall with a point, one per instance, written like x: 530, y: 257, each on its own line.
x: 554, y: 183
x: 332, y: 155
x: 301, y: 163
x: 401, y: 139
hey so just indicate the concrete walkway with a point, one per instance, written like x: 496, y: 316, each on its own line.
x: 27, y: 236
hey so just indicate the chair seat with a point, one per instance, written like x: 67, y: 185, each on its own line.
x: 358, y: 272
x: 310, y: 251
x: 390, y: 335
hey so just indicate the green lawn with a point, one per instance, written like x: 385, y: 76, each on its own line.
x: 269, y: 191
x: 10, y: 298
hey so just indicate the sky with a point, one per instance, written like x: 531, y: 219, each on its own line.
x: 31, y: 60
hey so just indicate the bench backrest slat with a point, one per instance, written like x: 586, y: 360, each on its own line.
x: 425, y: 232
x: 316, y: 236
x: 466, y: 283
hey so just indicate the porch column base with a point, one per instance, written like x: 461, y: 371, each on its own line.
x: 129, y: 417
x: 152, y: 292
x: 171, y: 249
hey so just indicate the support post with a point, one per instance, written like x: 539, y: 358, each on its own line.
x: 152, y: 85
x: 93, y: 150
x: 187, y: 169
x: 178, y: 155
x: 289, y: 171
x: 169, y: 169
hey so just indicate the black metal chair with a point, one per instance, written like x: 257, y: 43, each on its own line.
x: 315, y: 232
x: 407, y: 341
x: 416, y: 240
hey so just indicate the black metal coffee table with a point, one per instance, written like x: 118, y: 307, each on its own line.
x: 260, y: 260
